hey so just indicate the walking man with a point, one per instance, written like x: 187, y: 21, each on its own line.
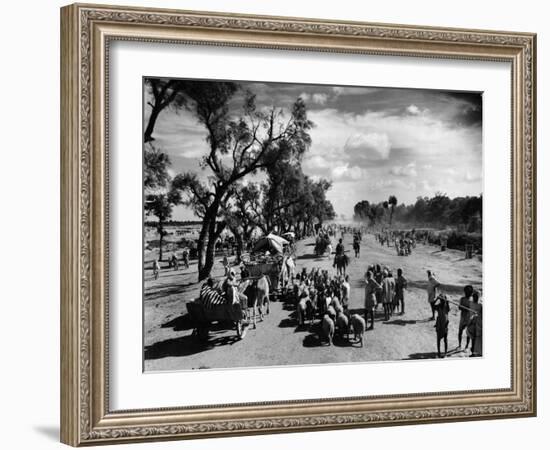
x: 400, y: 286
x: 475, y: 327
x: 185, y: 257
x: 432, y: 288
x: 388, y: 290
x: 465, y: 309
x: 346, y: 293
x: 371, y: 288
x: 442, y: 307
x: 156, y: 269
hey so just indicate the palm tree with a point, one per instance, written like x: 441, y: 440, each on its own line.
x: 392, y: 201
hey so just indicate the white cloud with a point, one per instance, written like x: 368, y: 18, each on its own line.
x: 317, y: 162
x: 352, y: 90
x: 318, y: 98
x: 369, y: 145
x: 413, y: 109
x: 344, y: 172
x: 469, y: 177
x: 404, y: 171
x: 382, y: 184
x: 426, y: 186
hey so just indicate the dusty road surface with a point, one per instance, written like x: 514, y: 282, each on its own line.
x: 278, y: 340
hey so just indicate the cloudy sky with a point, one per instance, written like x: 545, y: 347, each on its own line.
x: 371, y: 142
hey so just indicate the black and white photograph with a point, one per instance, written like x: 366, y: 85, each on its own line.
x: 295, y: 224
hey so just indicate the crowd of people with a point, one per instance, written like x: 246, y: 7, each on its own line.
x: 325, y: 297
x: 318, y: 295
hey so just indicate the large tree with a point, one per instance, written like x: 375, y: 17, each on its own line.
x: 156, y: 165
x: 361, y: 211
x: 162, y: 93
x: 285, y: 188
x: 160, y: 205
x: 159, y: 198
x: 392, y: 203
x: 238, y: 145
x: 243, y: 215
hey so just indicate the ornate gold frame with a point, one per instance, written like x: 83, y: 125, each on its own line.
x: 86, y: 31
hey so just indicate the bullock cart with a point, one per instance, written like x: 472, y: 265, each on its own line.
x: 279, y: 270
x: 268, y: 267
x: 203, y: 316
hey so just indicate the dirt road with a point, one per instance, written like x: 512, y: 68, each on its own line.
x: 279, y: 341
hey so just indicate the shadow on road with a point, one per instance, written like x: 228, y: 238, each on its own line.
x: 185, y: 346
x: 290, y: 322
x: 180, y: 323
x: 310, y: 256
x: 401, y: 322
x: 168, y: 290
x: 427, y: 355
x: 433, y: 355
x: 340, y: 341
x: 312, y: 340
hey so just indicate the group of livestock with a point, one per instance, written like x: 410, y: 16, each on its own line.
x: 321, y: 297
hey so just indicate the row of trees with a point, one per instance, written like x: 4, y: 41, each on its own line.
x: 436, y: 211
x: 241, y: 142
x: 364, y: 211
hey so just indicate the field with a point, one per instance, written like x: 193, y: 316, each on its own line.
x: 169, y: 345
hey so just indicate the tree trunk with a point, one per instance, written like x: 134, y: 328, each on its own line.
x: 201, y: 254
x: 161, y: 234
x: 204, y: 272
x: 240, y: 245
x: 213, y: 235
x: 206, y: 259
x: 148, y: 135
